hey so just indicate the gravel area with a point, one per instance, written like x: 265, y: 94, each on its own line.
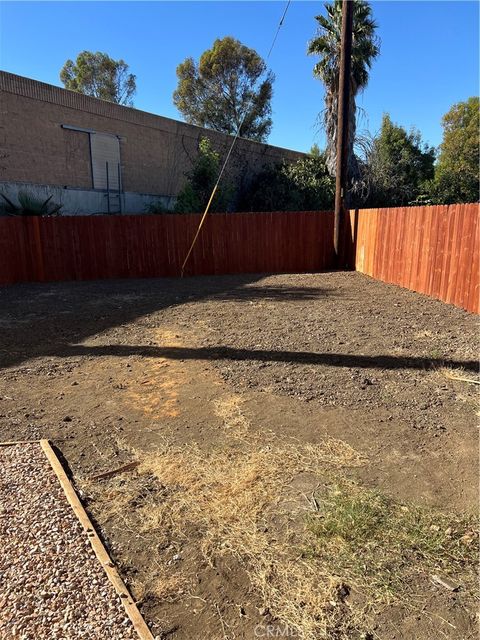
x: 51, y: 584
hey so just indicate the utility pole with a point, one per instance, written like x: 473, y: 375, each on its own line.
x: 343, y: 101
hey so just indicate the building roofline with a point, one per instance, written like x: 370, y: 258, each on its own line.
x: 35, y: 89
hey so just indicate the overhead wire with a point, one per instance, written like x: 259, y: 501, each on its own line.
x: 227, y: 158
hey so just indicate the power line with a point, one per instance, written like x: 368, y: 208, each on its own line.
x: 280, y: 24
x: 237, y: 134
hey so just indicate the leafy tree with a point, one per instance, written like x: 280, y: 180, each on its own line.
x: 304, y: 185
x: 327, y: 45
x: 98, y: 75
x: 315, y: 150
x: 222, y: 87
x: 457, y: 171
x: 194, y: 196
x: 398, y: 166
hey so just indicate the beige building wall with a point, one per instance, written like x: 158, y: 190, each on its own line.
x: 155, y: 152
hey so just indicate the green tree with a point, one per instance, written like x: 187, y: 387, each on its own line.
x: 223, y: 87
x: 304, y: 185
x: 398, y: 166
x: 98, y: 75
x: 201, y: 179
x: 457, y: 171
x: 327, y: 44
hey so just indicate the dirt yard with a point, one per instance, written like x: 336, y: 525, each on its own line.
x: 306, y: 460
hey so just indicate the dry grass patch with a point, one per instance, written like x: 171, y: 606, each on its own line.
x: 228, y: 491
x: 238, y: 496
x: 323, y: 554
x: 306, y: 563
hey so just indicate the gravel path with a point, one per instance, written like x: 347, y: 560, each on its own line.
x: 51, y: 584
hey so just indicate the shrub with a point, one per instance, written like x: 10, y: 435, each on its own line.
x: 194, y: 196
x: 302, y: 186
x: 156, y: 208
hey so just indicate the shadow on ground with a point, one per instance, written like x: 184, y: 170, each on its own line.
x: 300, y: 357
x: 39, y: 320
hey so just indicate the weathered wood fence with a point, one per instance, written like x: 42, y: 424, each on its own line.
x: 432, y: 250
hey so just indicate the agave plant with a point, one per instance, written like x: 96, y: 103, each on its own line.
x: 30, y: 205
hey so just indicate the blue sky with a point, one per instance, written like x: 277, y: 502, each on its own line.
x: 429, y: 55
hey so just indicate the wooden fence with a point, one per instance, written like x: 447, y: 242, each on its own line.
x: 95, y: 247
x: 432, y: 250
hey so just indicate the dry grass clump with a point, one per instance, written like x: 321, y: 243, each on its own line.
x: 459, y: 375
x: 464, y: 383
x: 135, y: 508
x: 227, y: 491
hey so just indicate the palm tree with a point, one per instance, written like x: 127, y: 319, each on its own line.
x: 327, y: 44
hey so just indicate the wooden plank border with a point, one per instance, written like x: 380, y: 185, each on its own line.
x: 12, y: 443
x: 102, y: 555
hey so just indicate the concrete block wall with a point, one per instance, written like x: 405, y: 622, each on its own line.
x: 84, y: 201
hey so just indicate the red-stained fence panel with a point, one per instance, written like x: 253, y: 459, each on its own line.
x: 432, y: 250
x: 36, y: 249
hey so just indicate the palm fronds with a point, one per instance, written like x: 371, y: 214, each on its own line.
x: 327, y: 45
x: 30, y: 205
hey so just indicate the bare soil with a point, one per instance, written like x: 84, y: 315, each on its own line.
x: 151, y: 370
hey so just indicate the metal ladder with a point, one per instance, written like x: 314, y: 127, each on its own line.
x: 114, y: 196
